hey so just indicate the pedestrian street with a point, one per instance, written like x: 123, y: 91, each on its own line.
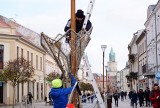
x: 121, y: 104
x: 126, y: 104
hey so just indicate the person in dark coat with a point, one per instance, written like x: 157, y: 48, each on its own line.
x: 92, y: 97
x: 146, y: 95
x: 80, y: 17
x: 60, y: 94
x: 84, y: 98
x: 30, y: 97
x: 134, y: 98
x: 88, y: 97
x: 130, y: 96
x: 155, y: 96
x: 141, y: 97
x: 122, y: 96
x: 50, y: 99
x: 115, y: 96
x: 125, y: 94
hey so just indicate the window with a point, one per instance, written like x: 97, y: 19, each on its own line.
x: 21, y: 52
x: 36, y: 61
x: 33, y: 90
x: 37, y: 90
x: 41, y: 90
x: 1, y: 56
x: 32, y: 59
x: 86, y: 74
x: 27, y: 55
x: 41, y: 63
x: 28, y: 86
x: 17, y: 52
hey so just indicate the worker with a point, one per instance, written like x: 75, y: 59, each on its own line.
x: 60, y: 94
x: 80, y: 17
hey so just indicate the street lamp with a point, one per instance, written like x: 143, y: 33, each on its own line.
x: 106, y: 77
x: 103, y: 47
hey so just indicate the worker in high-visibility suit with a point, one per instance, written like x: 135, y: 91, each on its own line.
x: 60, y: 94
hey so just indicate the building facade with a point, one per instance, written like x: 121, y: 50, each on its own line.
x: 133, y: 60
x: 152, y: 26
x: 18, y: 41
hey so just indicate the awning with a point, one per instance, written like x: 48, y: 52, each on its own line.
x: 149, y: 74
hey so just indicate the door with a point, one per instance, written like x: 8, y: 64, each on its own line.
x: 1, y: 92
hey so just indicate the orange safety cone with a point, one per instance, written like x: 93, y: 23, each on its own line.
x: 70, y: 106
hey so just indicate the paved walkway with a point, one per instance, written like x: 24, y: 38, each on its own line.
x: 125, y: 104
x: 35, y: 105
x: 122, y: 104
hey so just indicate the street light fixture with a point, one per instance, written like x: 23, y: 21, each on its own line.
x: 103, y: 47
x: 106, y: 77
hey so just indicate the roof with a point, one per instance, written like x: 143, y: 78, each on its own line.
x: 3, y: 24
x: 20, y: 30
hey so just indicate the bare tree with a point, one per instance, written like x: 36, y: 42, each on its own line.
x: 51, y: 76
x: 17, y: 71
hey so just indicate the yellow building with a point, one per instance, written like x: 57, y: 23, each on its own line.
x: 18, y: 41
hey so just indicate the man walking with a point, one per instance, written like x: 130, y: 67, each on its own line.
x: 115, y: 96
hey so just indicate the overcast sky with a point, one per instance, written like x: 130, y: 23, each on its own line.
x: 114, y: 22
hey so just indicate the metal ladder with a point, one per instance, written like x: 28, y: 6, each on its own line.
x: 88, y: 14
x: 93, y: 82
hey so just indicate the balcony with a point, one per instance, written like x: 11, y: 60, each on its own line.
x: 131, y: 57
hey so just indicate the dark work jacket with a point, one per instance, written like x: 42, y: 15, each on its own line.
x: 79, y: 25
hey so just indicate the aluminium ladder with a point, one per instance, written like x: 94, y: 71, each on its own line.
x: 93, y: 82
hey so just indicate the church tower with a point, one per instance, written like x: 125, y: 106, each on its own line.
x: 112, y: 64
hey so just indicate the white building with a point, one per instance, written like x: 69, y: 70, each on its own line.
x: 133, y: 58
x: 142, y: 60
x: 153, y: 40
x: 123, y: 80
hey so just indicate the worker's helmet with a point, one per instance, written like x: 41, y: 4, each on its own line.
x: 57, y: 83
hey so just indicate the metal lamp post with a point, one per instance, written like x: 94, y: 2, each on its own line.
x: 103, y: 47
x: 106, y: 77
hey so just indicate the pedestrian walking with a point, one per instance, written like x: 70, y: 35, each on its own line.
x: 88, y: 97
x: 109, y: 99
x: 60, y: 94
x: 122, y: 96
x: 141, y: 97
x: 125, y: 94
x: 155, y: 96
x: 146, y: 95
x: 115, y: 96
x: 84, y: 98
x: 134, y: 98
x: 92, y: 97
x: 130, y: 96
x: 50, y: 99
x: 29, y: 98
